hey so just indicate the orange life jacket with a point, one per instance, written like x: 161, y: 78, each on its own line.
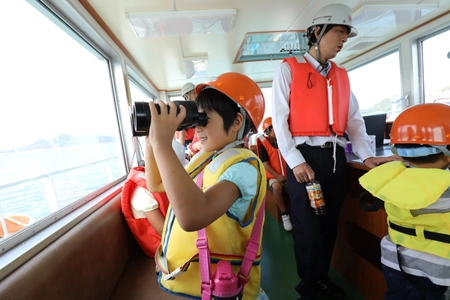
x: 191, y: 145
x: 310, y: 113
x: 276, y: 160
x: 142, y: 230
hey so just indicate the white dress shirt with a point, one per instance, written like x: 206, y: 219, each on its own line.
x: 281, y: 86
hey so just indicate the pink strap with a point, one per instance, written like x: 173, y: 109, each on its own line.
x: 252, y: 246
x: 249, y: 257
x: 203, y: 259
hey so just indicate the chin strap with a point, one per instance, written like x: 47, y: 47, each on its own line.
x: 241, y: 130
x: 316, y: 47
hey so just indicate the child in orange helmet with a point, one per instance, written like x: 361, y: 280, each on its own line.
x: 275, y: 166
x: 415, y: 254
x: 221, y: 189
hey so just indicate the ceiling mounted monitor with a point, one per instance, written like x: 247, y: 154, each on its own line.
x: 169, y: 23
x: 272, y: 46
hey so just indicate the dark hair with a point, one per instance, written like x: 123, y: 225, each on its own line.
x: 312, y: 37
x: 429, y: 159
x: 212, y: 99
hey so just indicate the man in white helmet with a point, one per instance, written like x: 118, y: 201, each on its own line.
x: 185, y: 137
x: 313, y: 107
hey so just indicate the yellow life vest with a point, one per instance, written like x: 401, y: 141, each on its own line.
x: 406, y: 193
x: 227, y: 236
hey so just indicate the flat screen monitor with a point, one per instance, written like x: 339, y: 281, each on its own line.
x: 375, y: 125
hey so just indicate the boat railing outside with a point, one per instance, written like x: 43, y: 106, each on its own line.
x: 49, y: 186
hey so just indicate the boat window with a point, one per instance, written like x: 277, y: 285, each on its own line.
x: 138, y: 94
x: 435, y: 57
x: 175, y: 97
x: 267, y: 92
x: 60, y: 145
x: 377, y: 85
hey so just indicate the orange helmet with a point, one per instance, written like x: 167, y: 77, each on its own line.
x: 266, y: 123
x: 242, y: 90
x: 427, y: 123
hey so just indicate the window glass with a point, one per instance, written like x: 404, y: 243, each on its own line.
x: 138, y: 95
x: 377, y: 86
x: 267, y: 92
x: 60, y: 139
x: 436, y: 62
x: 176, y: 98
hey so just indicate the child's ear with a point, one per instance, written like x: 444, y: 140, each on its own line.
x: 238, y: 122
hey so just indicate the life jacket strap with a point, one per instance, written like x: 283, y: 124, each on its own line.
x: 435, y: 236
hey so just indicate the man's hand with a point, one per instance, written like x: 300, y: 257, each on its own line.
x: 372, y: 162
x: 303, y: 173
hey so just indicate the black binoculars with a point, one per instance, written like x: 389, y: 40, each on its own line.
x: 141, y: 117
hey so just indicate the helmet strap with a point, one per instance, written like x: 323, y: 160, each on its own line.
x: 240, y: 136
x: 316, y: 46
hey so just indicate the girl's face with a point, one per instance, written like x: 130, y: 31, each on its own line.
x: 213, y: 136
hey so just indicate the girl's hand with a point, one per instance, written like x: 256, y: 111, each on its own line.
x: 163, y: 125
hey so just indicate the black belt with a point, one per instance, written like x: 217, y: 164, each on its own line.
x: 440, y: 237
x: 324, y: 145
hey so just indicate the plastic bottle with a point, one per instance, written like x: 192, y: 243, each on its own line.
x: 226, y: 283
x: 316, y: 200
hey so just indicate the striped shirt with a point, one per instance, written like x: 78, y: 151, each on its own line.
x: 418, y: 263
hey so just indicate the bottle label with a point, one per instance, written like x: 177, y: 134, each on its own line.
x: 316, y: 198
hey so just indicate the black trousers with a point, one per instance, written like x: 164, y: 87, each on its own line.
x: 314, y: 236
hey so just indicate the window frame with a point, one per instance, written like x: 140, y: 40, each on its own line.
x: 395, y: 49
x: 17, y: 249
x: 420, y: 59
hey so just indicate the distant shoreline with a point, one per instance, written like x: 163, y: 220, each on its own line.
x: 63, y: 140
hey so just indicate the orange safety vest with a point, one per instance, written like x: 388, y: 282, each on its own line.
x: 309, y: 105
x: 276, y: 160
x: 142, y: 230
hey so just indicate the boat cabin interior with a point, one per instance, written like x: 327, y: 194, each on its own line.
x: 72, y: 71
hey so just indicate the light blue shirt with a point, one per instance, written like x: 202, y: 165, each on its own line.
x: 245, y: 177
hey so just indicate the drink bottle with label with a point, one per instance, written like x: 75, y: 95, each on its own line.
x: 318, y: 206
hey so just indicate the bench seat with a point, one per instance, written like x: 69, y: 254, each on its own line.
x: 96, y: 259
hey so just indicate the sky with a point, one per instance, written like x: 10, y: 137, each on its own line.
x: 39, y: 96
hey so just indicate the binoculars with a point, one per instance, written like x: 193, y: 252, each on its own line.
x: 141, y: 117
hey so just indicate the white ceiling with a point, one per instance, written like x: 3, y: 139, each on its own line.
x: 161, y: 58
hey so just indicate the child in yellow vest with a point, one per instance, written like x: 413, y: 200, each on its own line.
x: 415, y: 255
x: 227, y: 198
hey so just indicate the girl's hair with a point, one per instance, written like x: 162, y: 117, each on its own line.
x: 422, y: 159
x: 212, y: 99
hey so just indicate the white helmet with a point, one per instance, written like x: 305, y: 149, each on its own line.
x: 336, y: 14
x: 187, y: 88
